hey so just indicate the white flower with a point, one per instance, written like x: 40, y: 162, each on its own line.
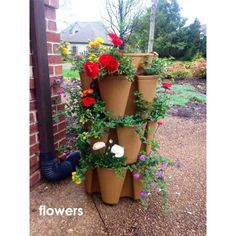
x: 98, y: 145
x: 110, y: 141
x: 117, y: 150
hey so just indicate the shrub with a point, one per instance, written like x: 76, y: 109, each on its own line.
x: 178, y: 70
x: 198, y: 68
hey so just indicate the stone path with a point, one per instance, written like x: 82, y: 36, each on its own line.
x: 183, y: 140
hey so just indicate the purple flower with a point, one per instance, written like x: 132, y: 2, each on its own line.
x: 142, y: 194
x: 57, y: 80
x: 78, y: 57
x: 159, y: 174
x: 60, y: 91
x: 136, y: 175
x: 163, y: 166
x: 142, y: 158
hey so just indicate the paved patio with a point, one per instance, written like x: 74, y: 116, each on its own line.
x: 183, y: 140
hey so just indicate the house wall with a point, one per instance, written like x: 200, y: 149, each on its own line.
x: 55, y: 70
x: 79, y: 47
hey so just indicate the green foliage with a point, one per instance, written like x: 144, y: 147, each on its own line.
x: 172, y: 37
x: 69, y: 73
x: 182, y: 94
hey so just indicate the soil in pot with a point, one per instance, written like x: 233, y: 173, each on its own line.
x: 147, y: 85
x: 114, y: 91
x: 110, y: 185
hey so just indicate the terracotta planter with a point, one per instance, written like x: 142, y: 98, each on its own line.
x: 150, y: 133
x: 103, y: 138
x: 147, y: 85
x: 85, y: 81
x: 130, y: 141
x: 139, y: 59
x: 91, y: 181
x: 131, y: 107
x: 114, y: 91
x: 110, y: 185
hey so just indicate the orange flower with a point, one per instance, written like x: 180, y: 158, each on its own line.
x: 86, y: 92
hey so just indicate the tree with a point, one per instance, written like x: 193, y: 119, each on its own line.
x: 123, y: 16
x: 152, y: 25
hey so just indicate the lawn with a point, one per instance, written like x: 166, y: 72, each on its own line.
x: 68, y: 73
x: 182, y: 94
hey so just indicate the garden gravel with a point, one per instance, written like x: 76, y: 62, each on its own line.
x: 184, y: 141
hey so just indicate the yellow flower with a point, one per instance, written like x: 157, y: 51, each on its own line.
x: 92, y: 44
x: 65, y: 51
x: 74, y: 173
x: 93, y: 58
x: 67, y: 43
x: 78, y: 181
x: 99, y: 40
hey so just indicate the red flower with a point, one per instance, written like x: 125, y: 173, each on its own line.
x: 113, y: 65
x: 88, y: 101
x: 166, y: 85
x: 154, y: 53
x: 104, y: 60
x: 160, y: 122
x: 115, y: 39
x: 109, y: 62
x: 91, y: 69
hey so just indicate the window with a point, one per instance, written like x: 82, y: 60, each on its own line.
x: 74, y: 50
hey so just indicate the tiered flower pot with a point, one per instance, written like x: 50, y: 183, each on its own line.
x: 110, y: 185
x: 128, y: 138
x: 139, y: 59
x: 147, y: 85
x: 114, y: 91
x: 150, y: 134
x: 85, y: 81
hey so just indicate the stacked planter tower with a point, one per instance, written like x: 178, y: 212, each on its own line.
x: 118, y: 94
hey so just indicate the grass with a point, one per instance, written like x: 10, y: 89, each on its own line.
x: 68, y: 73
x: 182, y: 94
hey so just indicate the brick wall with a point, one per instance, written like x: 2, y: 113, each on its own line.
x: 55, y: 71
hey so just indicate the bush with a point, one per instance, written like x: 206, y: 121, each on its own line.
x: 198, y: 68
x: 178, y: 70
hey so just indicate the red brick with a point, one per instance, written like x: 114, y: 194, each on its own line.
x: 54, y: 3
x: 61, y: 106
x: 54, y: 59
x: 32, y: 139
x: 50, y: 13
x: 58, y: 70
x: 61, y: 126
x: 59, y: 136
x: 53, y: 37
x: 49, y: 47
x: 34, y: 160
x: 55, y: 48
x: 34, y: 149
x: 32, y: 119
x: 32, y: 94
x: 51, y: 70
x: 32, y: 85
x: 33, y: 128
x: 62, y: 142
x: 52, y: 25
x: 55, y: 129
x: 35, y: 178
x: 32, y: 106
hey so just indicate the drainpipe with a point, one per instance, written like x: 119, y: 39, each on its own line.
x: 50, y: 169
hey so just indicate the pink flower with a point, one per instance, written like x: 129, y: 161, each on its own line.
x: 136, y: 175
x: 160, y: 122
x: 166, y: 85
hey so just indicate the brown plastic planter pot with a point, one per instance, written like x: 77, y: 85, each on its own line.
x: 139, y: 59
x: 110, y: 185
x: 147, y: 85
x: 130, y: 141
x: 150, y: 133
x: 131, y: 106
x: 85, y: 81
x: 91, y: 181
x: 114, y: 91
